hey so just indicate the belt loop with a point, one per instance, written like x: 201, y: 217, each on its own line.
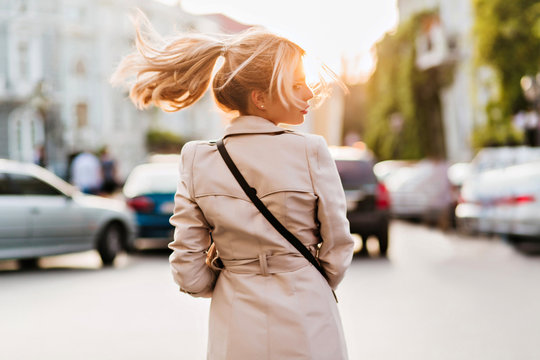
x: 263, y: 264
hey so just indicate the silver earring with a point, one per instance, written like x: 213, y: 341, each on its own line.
x: 262, y: 106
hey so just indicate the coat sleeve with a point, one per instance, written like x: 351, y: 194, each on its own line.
x: 336, y: 250
x: 191, y: 234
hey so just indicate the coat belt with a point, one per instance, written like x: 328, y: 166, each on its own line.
x: 266, y: 264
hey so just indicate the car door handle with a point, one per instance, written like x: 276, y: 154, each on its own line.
x: 34, y: 211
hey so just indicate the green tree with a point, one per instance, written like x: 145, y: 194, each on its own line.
x: 354, y: 118
x: 163, y: 141
x: 507, y: 37
x: 399, y: 90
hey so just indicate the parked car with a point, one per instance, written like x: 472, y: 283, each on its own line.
x: 384, y: 169
x: 501, y: 157
x: 492, y: 160
x: 368, y: 202
x: 422, y: 192
x: 149, y: 190
x: 502, y: 201
x: 43, y: 215
x: 476, y: 199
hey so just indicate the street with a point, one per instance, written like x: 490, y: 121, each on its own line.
x: 437, y: 296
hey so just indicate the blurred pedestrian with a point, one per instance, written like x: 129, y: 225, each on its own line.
x: 86, y: 173
x: 108, y: 169
x: 268, y: 301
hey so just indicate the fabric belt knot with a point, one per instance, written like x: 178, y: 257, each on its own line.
x: 263, y: 264
x: 266, y: 264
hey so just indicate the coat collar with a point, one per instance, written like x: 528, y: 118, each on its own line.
x: 251, y: 125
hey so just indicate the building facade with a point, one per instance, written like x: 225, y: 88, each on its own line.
x: 446, y: 39
x: 56, y: 58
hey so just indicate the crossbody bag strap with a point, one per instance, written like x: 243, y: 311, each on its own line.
x: 252, y: 194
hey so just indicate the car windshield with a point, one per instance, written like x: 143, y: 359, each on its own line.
x: 152, y: 179
x: 355, y: 172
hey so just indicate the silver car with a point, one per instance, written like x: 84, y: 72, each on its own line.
x: 503, y: 201
x: 42, y: 215
x: 421, y: 191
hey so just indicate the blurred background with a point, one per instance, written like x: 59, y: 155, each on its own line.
x: 437, y: 143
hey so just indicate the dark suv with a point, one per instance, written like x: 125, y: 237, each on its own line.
x: 368, y: 201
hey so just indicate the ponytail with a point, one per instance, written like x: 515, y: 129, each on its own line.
x: 171, y: 75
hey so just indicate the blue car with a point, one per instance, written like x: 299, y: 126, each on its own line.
x: 149, y: 190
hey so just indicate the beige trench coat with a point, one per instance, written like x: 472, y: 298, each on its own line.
x: 269, y: 302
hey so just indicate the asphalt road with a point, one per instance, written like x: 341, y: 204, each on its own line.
x: 437, y: 296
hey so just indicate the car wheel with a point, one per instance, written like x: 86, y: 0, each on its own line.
x: 514, y: 239
x: 363, y: 250
x: 31, y: 263
x: 383, y: 241
x: 110, y: 243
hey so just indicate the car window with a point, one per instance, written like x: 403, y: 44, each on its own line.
x: 29, y: 185
x: 4, y: 185
x: 355, y: 172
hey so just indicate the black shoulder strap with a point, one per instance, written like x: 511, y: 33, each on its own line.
x: 252, y: 194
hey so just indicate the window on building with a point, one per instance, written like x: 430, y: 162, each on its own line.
x: 429, y: 43
x: 23, y: 6
x: 26, y: 131
x: 24, y: 64
x: 452, y: 43
x: 80, y: 68
x: 82, y: 115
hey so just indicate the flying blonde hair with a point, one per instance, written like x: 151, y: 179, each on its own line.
x: 174, y: 73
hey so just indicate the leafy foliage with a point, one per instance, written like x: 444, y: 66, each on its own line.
x: 354, y: 117
x: 508, y: 40
x: 397, y: 89
x: 162, y: 141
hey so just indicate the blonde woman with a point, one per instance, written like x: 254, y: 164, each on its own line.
x: 268, y: 301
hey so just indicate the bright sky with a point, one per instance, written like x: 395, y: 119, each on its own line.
x: 327, y: 29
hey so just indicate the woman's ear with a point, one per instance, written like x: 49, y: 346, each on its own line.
x: 258, y: 99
